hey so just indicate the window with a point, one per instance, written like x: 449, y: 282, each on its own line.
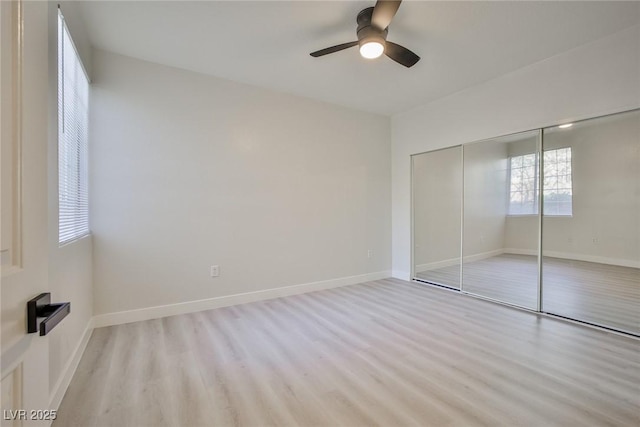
x: 557, y: 188
x: 73, y: 97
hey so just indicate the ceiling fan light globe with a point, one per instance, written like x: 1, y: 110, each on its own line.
x: 371, y: 50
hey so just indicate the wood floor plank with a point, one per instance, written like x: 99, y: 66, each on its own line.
x: 382, y: 353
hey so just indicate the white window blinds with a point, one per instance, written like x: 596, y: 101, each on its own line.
x: 73, y: 103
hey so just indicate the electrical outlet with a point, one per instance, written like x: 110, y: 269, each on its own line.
x: 369, y: 253
x: 215, y: 271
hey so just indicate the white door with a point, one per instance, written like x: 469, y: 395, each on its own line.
x: 24, y: 118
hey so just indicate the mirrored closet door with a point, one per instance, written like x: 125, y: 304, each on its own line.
x: 548, y: 220
x: 437, y: 207
x: 501, y: 219
x: 591, y: 223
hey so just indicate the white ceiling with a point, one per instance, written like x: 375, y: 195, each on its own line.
x: 267, y: 43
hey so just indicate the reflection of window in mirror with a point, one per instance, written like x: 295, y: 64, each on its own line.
x: 523, y: 183
x: 557, y: 186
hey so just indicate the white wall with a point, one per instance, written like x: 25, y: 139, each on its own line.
x: 70, y: 266
x: 189, y: 170
x: 595, y: 79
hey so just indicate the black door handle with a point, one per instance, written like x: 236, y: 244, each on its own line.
x: 41, y: 307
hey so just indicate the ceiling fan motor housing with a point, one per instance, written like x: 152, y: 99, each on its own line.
x: 366, y: 31
x: 372, y: 35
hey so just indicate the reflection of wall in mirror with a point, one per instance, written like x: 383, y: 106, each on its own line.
x: 486, y: 197
x: 521, y: 232
x: 437, y: 186
x: 605, y: 225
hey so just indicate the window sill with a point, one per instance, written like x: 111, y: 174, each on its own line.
x: 74, y: 241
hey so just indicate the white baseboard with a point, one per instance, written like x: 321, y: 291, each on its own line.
x: 594, y: 258
x: 456, y: 261
x: 577, y: 257
x: 157, y: 312
x: 437, y: 264
x: 518, y: 251
x: 402, y: 275
x: 533, y: 252
x: 70, y: 368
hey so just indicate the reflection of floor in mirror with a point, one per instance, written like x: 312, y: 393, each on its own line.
x: 604, y: 294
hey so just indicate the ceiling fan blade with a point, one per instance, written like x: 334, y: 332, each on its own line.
x: 383, y: 12
x: 401, y: 54
x: 333, y: 49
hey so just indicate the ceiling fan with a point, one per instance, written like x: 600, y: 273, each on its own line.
x: 373, y: 26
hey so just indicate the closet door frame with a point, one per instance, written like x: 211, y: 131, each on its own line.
x: 412, y: 239
x: 538, y: 185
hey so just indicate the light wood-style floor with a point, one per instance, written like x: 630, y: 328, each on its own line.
x: 387, y: 353
x: 603, y: 294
